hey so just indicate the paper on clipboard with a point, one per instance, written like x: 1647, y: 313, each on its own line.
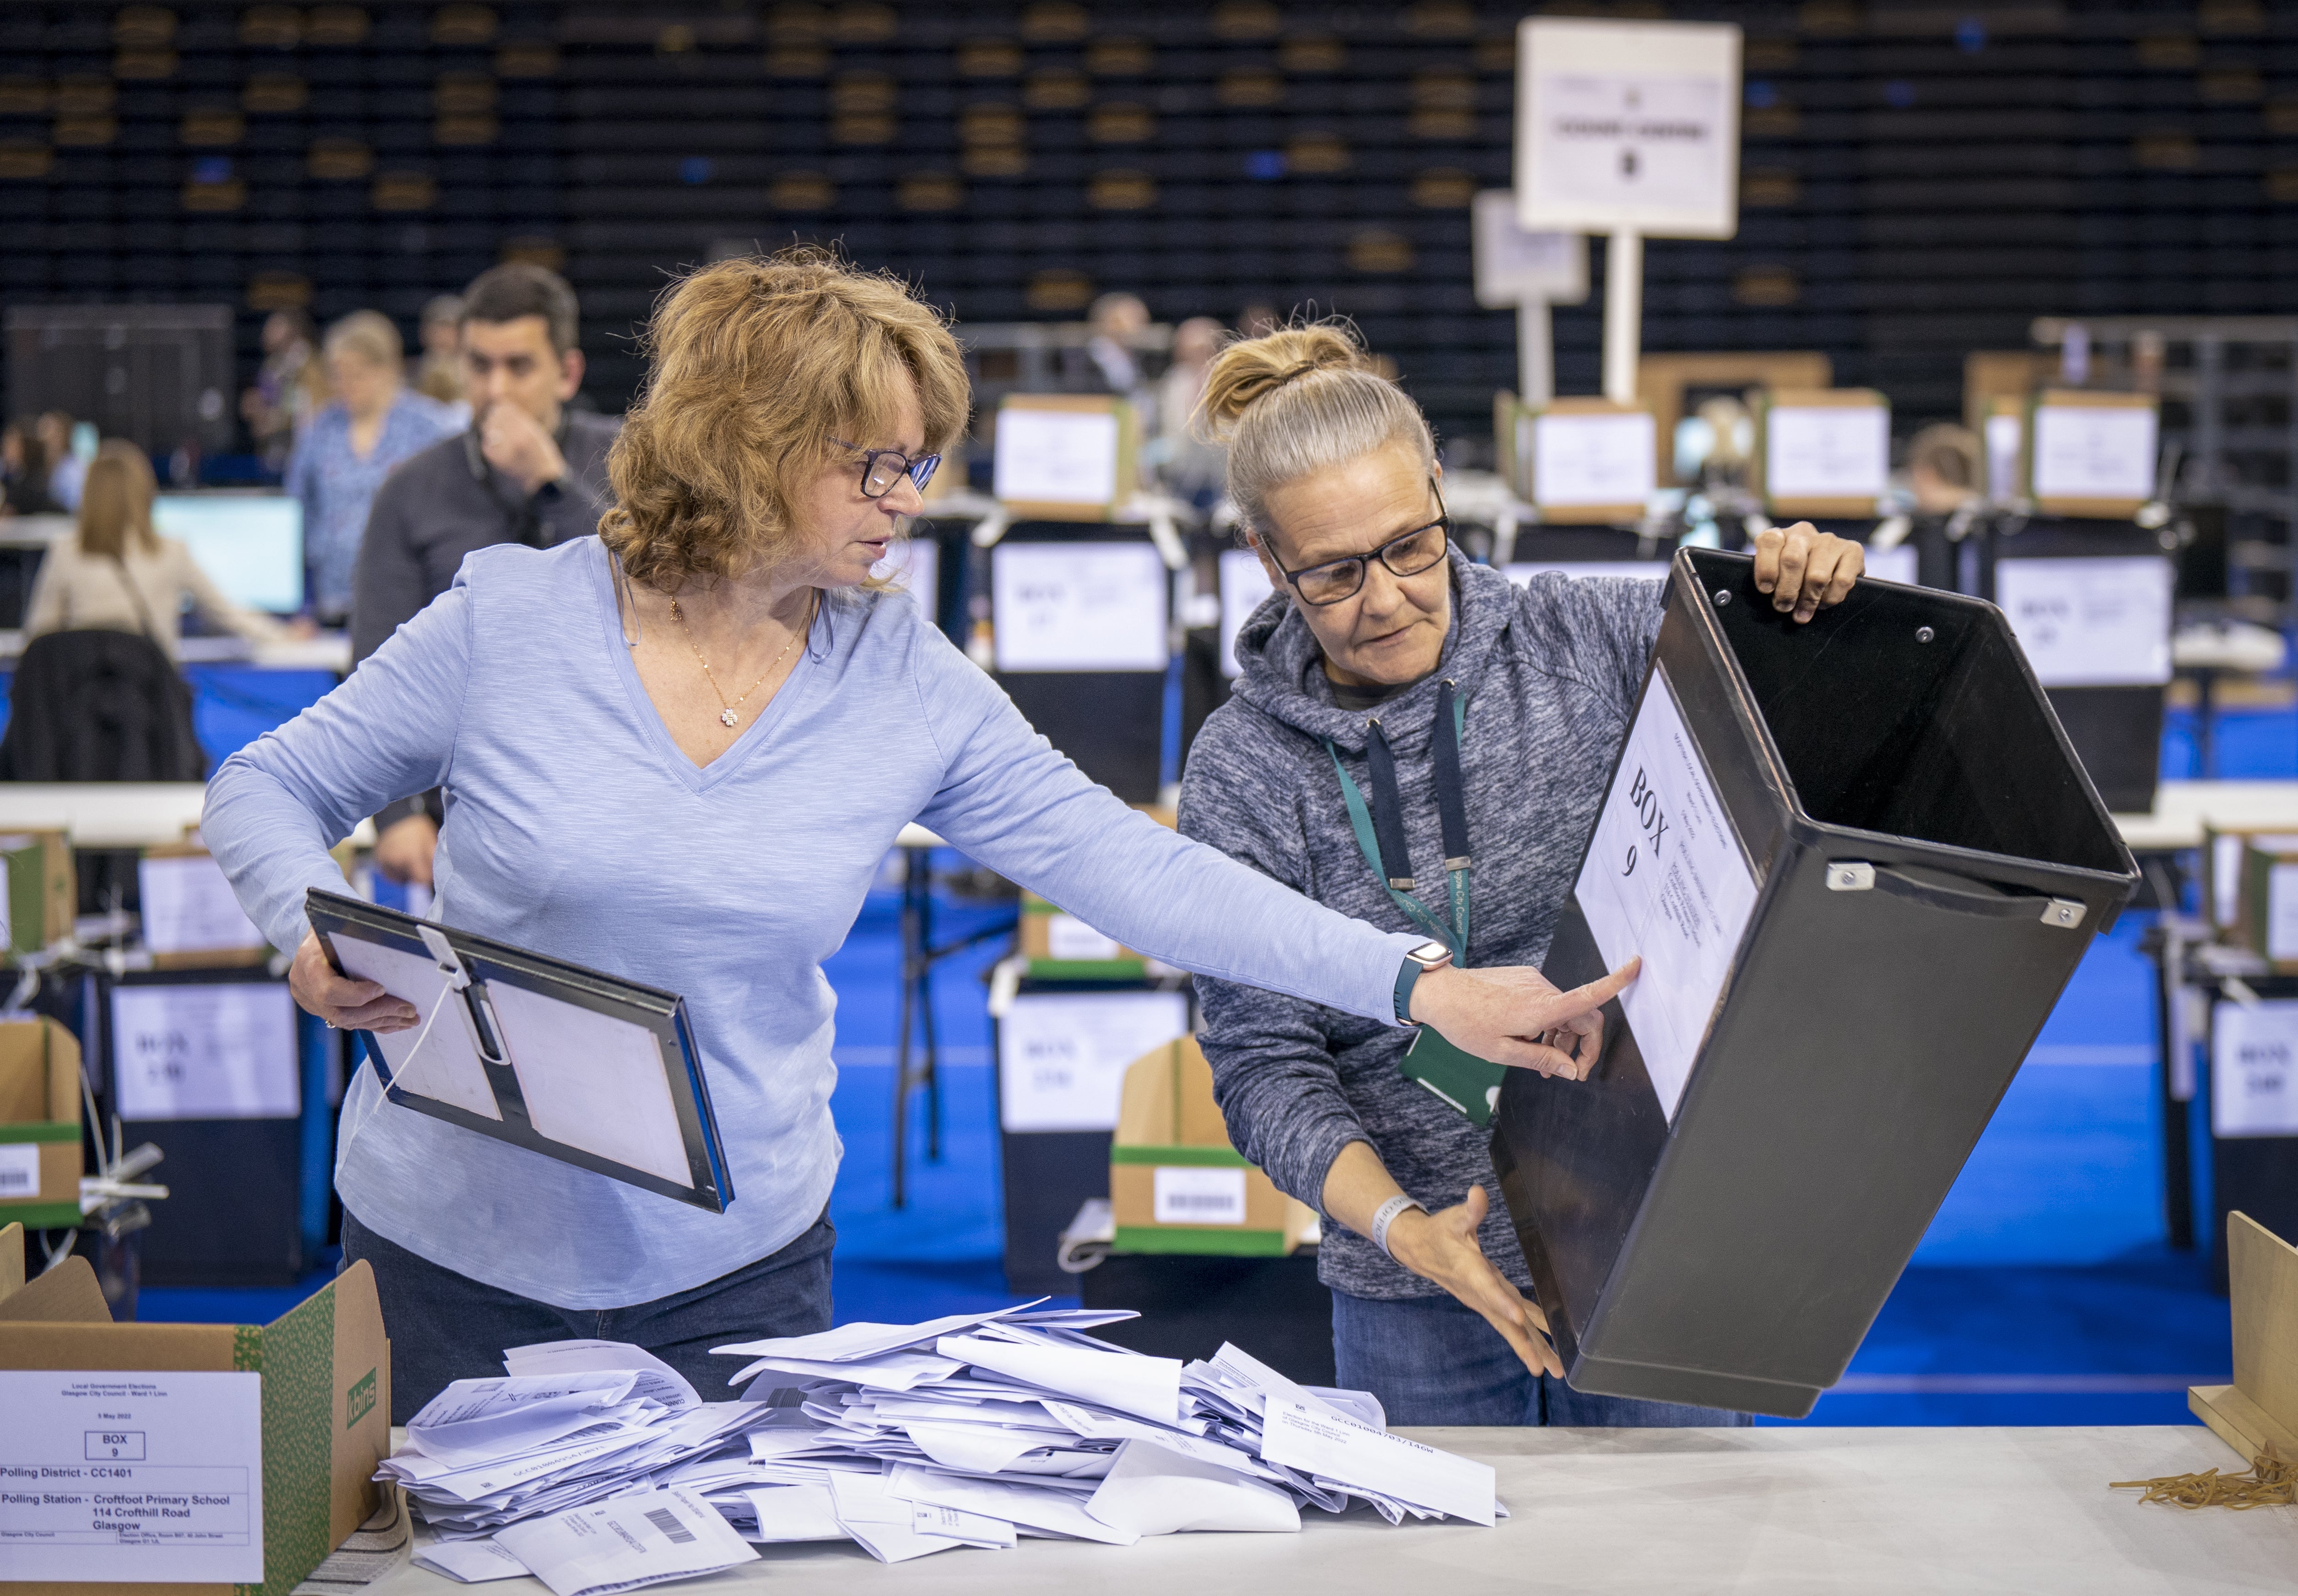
x: 447, y: 1069
x: 1664, y: 879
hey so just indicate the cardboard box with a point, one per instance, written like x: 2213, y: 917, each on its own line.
x: 2267, y: 912
x: 42, y: 897
x: 2223, y: 873
x: 326, y: 1403
x: 192, y: 919
x: 40, y: 1155
x: 1176, y: 1184
x: 1060, y: 946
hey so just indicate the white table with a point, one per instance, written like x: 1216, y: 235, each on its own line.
x: 114, y: 813
x: 1817, y: 1511
x: 2182, y: 808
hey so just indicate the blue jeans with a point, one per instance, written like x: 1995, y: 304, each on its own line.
x: 445, y: 1327
x: 1433, y: 1360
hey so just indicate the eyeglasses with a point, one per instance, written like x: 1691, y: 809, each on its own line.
x: 1406, y: 556
x: 881, y: 468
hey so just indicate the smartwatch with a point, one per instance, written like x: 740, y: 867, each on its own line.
x: 1417, y: 962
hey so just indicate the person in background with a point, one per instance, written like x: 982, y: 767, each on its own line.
x: 1388, y: 677
x: 529, y: 470
x: 289, y: 387
x: 116, y: 573
x: 24, y: 471
x: 373, y: 422
x: 1943, y: 469
x: 438, y: 374
x: 1192, y: 467
x: 1257, y: 320
x: 66, y: 470
x: 1111, y: 363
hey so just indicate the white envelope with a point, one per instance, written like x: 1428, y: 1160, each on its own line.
x: 1148, y: 1388
x: 469, y: 1562
x: 1322, y: 1442
x: 789, y: 1513
x: 1152, y: 1491
x: 1061, y: 1512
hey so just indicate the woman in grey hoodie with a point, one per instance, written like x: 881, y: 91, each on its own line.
x: 1400, y: 704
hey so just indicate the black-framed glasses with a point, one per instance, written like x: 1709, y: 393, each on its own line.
x: 881, y: 468
x: 1406, y: 555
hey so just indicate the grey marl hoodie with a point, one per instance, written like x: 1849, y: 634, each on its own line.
x: 1551, y: 674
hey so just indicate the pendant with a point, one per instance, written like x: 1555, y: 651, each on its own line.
x: 726, y: 717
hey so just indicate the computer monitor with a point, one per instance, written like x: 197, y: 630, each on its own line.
x: 251, y: 545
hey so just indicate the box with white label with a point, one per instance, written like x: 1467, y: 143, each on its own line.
x: 1064, y: 457
x: 191, y: 917
x: 2267, y: 900
x: 187, y: 1458
x: 40, y: 1157
x: 1592, y: 462
x: 2222, y: 876
x: 1812, y: 836
x: 1823, y: 451
x: 43, y: 890
x: 1176, y: 1184
x: 1060, y: 945
x: 2092, y: 454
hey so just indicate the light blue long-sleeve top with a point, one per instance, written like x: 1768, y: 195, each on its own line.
x: 576, y: 827
x: 337, y: 485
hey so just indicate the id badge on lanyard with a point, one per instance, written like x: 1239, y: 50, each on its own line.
x: 1468, y: 1083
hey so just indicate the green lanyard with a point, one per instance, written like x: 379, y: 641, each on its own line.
x: 1451, y: 731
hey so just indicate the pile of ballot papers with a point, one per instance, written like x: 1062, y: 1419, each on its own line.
x: 969, y: 1431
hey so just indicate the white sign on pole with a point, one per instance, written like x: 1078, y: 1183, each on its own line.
x: 1628, y: 126
x: 1827, y: 451
x: 212, y: 1051
x: 1664, y: 879
x: 1514, y: 266
x: 1245, y: 586
x: 2254, y: 1069
x: 1079, y: 606
x: 1591, y: 458
x: 2094, y: 451
x: 1061, y: 1056
x: 2090, y: 622
x: 1056, y: 457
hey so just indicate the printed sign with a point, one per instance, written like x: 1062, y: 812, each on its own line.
x: 1079, y: 606
x: 2254, y: 1069
x: 189, y: 907
x: 1184, y: 1196
x: 1056, y: 457
x: 1664, y: 879
x: 1061, y: 1056
x: 1515, y: 266
x: 1244, y: 585
x: 213, y: 1051
x: 2094, y: 451
x: 1630, y: 126
x: 112, y: 1476
x: 1591, y: 458
x: 2090, y: 622
x: 1069, y: 938
x: 1826, y: 451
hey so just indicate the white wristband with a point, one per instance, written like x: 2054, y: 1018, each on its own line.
x: 1385, y: 1215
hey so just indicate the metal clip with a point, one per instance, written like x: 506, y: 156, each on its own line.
x: 1844, y: 875
x: 450, y: 963
x: 2066, y: 912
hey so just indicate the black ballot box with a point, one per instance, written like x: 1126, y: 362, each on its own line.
x: 1860, y: 862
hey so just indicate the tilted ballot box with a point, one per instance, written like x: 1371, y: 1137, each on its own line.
x: 1860, y: 861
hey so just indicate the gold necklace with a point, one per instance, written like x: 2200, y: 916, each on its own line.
x: 726, y: 715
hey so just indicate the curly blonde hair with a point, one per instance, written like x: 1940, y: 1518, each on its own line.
x: 756, y: 364
x: 1300, y: 401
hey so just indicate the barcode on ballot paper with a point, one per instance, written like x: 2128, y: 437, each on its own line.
x: 1186, y: 1196
x: 666, y: 1521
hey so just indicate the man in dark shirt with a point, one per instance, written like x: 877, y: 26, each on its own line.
x: 528, y: 471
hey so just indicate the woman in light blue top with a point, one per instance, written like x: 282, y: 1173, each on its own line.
x: 374, y: 423
x: 677, y: 752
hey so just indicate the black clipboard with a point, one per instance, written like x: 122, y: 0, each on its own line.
x: 580, y: 1066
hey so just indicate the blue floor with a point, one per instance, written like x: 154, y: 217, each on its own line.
x: 2043, y: 1293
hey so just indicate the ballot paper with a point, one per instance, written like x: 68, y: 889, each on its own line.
x: 1053, y: 1512
x: 1148, y: 1388
x: 1664, y: 879
x: 1152, y: 1490
x: 656, y: 1381
x: 790, y: 1513
x: 884, y: 1524
x: 469, y: 1562
x: 1319, y: 1441
x: 642, y: 1539
x: 473, y: 1421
